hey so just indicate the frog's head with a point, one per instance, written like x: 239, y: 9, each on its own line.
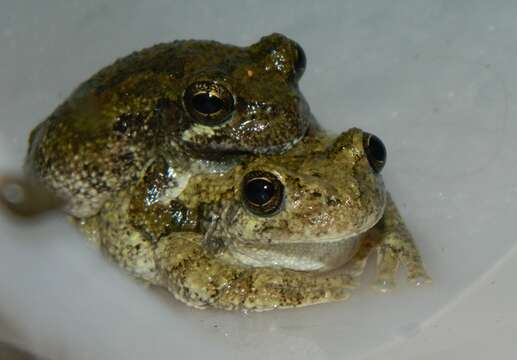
x: 305, y: 209
x: 243, y: 99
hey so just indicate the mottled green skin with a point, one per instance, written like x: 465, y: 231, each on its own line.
x: 101, y: 137
x: 208, y: 250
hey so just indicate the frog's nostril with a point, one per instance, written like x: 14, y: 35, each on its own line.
x: 332, y: 201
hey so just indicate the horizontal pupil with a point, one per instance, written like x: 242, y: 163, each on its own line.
x: 259, y: 191
x: 207, y: 104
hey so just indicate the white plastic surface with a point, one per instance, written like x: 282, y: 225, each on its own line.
x: 436, y: 80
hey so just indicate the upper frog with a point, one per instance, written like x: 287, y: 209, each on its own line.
x: 186, y: 99
x: 268, y: 232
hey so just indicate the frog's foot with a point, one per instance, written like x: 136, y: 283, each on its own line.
x: 391, y: 253
x: 397, y: 247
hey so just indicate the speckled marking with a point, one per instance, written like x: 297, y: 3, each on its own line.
x: 330, y: 190
x: 99, y: 140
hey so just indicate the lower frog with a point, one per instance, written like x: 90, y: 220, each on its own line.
x: 275, y: 231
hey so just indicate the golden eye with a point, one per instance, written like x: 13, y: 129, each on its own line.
x: 375, y: 151
x: 262, y: 193
x: 208, y: 102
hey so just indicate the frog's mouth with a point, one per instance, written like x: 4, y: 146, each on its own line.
x: 220, y: 151
x: 304, y: 254
x: 359, y: 232
x: 219, y: 142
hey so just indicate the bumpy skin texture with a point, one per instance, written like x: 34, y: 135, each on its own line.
x: 209, y: 250
x: 112, y: 125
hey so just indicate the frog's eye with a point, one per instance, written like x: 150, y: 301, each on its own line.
x: 208, y: 103
x: 300, y: 62
x: 375, y: 151
x: 262, y: 193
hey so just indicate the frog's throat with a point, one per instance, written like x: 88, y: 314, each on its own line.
x: 303, y: 254
x: 306, y: 256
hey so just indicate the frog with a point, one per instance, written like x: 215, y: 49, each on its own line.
x: 270, y: 232
x: 192, y: 101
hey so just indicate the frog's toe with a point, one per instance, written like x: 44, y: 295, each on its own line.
x: 386, y: 276
x: 387, y: 266
x: 336, y: 294
x: 416, y: 273
x: 419, y: 279
x: 384, y: 284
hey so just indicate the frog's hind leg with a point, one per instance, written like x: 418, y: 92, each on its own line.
x: 203, y: 280
x: 261, y: 289
x: 397, y: 246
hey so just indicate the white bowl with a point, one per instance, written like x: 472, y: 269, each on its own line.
x: 435, y: 80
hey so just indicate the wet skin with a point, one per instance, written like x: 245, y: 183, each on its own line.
x: 197, y: 167
x: 267, y: 232
x: 185, y: 100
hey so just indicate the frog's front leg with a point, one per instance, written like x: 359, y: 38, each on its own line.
x: 201, y: 280
x: 396, y: 246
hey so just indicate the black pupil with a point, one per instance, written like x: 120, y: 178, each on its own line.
x: 259, y: 191
x: 376, y: 149
x: 207, y: 104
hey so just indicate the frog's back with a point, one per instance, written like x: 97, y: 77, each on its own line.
x: 240, y: 99
x: 106, y: 131
x: 84, y: 167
